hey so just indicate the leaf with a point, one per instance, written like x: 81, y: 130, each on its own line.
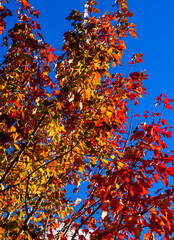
x: 78, y: 200
x: 26, y: 4
x: 137, y: 135
x: 171, y: 171
x: 104, y: 214
x: 158, y: 190
x: 132, y: 32
x: 135, y: 75
x: 145, y: 116
x: 163, y: 121
x: 15, y: 103
x: 36, y: 13
x: 39, y: 34
x: 156, y: 177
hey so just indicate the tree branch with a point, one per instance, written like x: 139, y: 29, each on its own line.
x: 16, y: 159
x: 85, y: 221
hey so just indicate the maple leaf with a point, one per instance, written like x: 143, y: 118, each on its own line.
x: 133, y: 32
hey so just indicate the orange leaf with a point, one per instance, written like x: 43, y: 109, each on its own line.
x: 156, y: 177
x: 26, y: 4
x: 133, y: 32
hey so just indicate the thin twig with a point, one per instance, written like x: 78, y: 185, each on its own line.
x: 13, y: 163
x: 127, y: 198
x: 85, y: 221
x: 26, y: 196
x: 131, y: 125
x: 56, y: 158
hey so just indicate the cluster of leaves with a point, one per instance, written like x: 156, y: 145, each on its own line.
x: 73, y: 132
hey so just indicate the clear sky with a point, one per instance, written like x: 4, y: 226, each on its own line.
x: 155, y: 30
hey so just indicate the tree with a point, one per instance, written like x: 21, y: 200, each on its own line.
x: 73, y: 164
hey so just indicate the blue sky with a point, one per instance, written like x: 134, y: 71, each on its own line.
x: 155, y: 30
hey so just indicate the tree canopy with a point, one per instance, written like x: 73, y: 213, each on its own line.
x: 76, y: 161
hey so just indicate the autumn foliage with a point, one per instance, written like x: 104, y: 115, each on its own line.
x: 76, y: 162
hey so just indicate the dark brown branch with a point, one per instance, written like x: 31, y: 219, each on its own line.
x: 29, y: 215
x: 25, y: 227
x: 127, y: 198
x: 66, y: 228
x: 47, y: 163
x: 26, y: 196
x: 130, y: 128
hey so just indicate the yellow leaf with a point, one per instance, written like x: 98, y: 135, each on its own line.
x: 32, y: 35
x: 13, y: 129
x: 110, y: 51
x: 93, y: 160
x: 104, y: 161
x: 88, y: 93
x: 59, y: 105
x: 82, y: 169
x: 17, y: 147
x: 103, y: 110
x: 52, y: 114
x: 120, y: 165
x: 109, y: 114
x: 124, y: 5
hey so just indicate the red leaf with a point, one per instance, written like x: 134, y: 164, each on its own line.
x: 14, y: 114
x: 158, y: 190
x: 40, y: 35
x: 145, y: 116
x: 168, y: 106
x: 170, y: 158
x: 36, y: 13
x: 171, y: 171
x: 163, y: 121
x: 15, y: 102
x: 164, y: 95
x: 134, y: 75
x: 132, y: 95
x: 56, y: 92
x: 26, y: 4
x: 156, y: 177
x: 98, y: 124
x: 131, y: 62
x: 137, y: 135
x: 75, y: 190
x: 169, y: 134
